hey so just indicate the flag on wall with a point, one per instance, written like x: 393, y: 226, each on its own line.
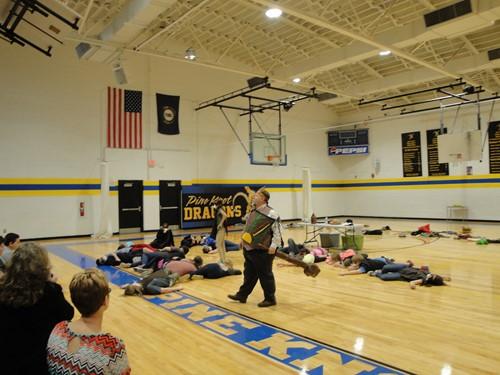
x: 124, y: 118
x: 167, y: 108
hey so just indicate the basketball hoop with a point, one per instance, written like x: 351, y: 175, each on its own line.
x: 274, y: 160
x: 456, y: 158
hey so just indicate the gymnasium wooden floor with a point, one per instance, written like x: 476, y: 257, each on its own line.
x: 327, y: 325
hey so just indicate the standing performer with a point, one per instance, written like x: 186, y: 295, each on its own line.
x: 220, y: 237
x: 261, y: 238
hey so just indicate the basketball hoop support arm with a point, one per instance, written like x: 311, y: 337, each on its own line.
x: 234, y: 131
x: 264, y: 105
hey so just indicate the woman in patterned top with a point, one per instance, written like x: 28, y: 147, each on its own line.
x: 81, y: 347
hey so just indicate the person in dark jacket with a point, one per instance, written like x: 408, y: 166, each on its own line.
x: 261, y: 238
x: 159, y: 282
x: 31, y: 304
x: 415, y: 276
x: 361, y: 265
x: 215, y: 271
x: 164, y: 237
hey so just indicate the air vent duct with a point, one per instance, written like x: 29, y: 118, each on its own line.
x: 448, y: 13
x: 494, y: 54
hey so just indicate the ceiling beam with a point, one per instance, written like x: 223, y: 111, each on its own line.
x: 362, y: 38
x: 292, y: 23
x: 418, y: 76
x: 427, y: 4
x: 395, y: 40
x: 171, y: 25
x: 495, y: 77
x: 85, y: 16
x: 237, y: 70
x: 370, y: 69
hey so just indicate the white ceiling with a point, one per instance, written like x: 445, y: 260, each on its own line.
x: 332, y: 45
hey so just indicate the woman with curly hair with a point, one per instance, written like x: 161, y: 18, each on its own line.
x: 31, y: 304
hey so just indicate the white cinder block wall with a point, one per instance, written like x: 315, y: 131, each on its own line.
x: 482, y: 202
x: 53, y: 118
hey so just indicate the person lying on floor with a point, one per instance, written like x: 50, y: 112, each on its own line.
x: 210, y: 247
x: 190, y: 241
x: 150, y: 260
x: 159, y: 282
x: 131, y: 255
x: 342, y: 259
x: 215, y: 271
x: 376, y: 232
x: 320, y: 254
x: 126, y: 255
x: 293, y: 248
x: 299, y: 251
x: 361, y: 265
x: 183, y: 266
x: 406, y: 272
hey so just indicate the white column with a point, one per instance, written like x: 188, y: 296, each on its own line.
x: 307, y: 209
x: 104, y: 228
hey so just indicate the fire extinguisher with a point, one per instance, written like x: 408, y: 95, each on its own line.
x: 82, y: 208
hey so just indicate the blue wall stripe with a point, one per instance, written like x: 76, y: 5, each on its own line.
x: 411, y: 183
x: 50, y: 187
x: 195, y: 187
x: 252, y: 186
x: 241, y: 330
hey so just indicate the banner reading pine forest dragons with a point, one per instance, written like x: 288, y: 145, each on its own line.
x: 198, y: 204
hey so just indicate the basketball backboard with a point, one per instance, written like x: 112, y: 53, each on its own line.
x: 267, y: 149
x: 458, y: 147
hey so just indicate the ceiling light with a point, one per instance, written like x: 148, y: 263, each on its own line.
x: 273, y: 12
x: 190, y: 54
x: 296, y: 80
x: 384, y: 53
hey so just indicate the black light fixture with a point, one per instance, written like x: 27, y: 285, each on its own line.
x: 288, y: 106
x: 257, y: 81
x: 16, y: 15
x: 326, y: 96
x: 190, y: 54
x: 469, y: 89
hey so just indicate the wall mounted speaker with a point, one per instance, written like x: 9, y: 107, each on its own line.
x: 120, y: 76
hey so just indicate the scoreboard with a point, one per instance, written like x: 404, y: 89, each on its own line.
x: 348, y: 142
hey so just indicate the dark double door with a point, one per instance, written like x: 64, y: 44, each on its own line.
x: 130, y: 206
x: 170, y: 203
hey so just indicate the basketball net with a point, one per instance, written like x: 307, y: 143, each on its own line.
x: 274, y: 160
x: 457, y: 158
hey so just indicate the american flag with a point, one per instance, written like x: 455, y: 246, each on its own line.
x: 124, y: 118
